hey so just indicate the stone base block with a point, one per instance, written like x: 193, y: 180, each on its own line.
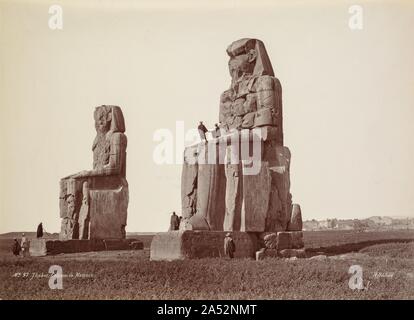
x: 37, y: 247
x: 285, y: 253
x: 290, y: 240
x: 270, y: 253
x: 136, y: 245
x: 289, y: 253
x: 190, y: 244
x: 269, y: 240
x: 43, y: 247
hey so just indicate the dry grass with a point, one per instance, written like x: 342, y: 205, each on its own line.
x: 391, y: 250
x: 130, y: 275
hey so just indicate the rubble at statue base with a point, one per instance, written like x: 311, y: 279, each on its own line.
x: 239, y: 182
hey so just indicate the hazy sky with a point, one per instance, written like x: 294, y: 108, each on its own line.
x: 348, y: 98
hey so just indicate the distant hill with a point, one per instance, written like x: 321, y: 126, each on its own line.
x: 381, y: 220
x: 372, y: 223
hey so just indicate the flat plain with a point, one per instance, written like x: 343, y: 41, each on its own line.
x: 386, y: 259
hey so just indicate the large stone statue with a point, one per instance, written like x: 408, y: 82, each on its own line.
x: 222, y: 195
x: 239, y: 180
x: 93, y: 203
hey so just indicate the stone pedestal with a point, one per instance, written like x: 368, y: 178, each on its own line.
x: 180, y: 245
x: 44, y: 247
x: 190, y: 244
x: 283, y: 240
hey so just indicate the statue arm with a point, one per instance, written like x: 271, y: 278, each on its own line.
x: 118, y: 146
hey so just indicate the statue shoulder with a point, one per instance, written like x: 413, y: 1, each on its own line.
x: 267, y: 83
x: 118, y: 138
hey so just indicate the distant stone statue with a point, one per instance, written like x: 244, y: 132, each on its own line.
x: 93, y: 203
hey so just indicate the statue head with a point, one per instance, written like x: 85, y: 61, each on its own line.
x: 248, y: 56
x: 109, y: 118
x: 102, y: 116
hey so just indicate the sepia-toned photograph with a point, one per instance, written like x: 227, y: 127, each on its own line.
x: 231, y: 151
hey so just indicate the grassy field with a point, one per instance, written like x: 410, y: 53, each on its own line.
x: 388, y: 273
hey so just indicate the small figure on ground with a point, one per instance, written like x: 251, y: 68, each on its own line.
x: 174, y: 222
x: 16, y: 247
x: 24, y: 244
x: 39, y: 233
x: 229, y: 246
x: 216, y: 132
x: 202, y: 131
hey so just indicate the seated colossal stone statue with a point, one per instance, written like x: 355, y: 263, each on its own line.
x: 223, y: 195
x: 94, y: 203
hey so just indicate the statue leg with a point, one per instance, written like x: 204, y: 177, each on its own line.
x: 233, y: 196
x: 69, y: 208
x: 84, y: 213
